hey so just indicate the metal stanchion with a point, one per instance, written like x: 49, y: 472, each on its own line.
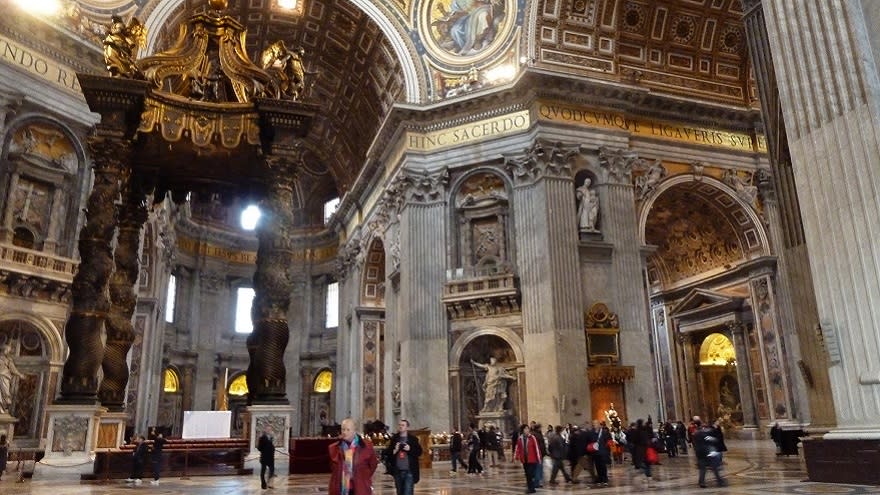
x: 185, y: 475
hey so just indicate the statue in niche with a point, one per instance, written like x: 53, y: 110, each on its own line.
x: 8, y: 374
x: 588, y: 207
x: 495, y: 385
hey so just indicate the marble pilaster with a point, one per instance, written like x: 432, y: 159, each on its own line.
x: 547, y: 261
x: 620, y: 228
x: 423, y: 328
x: 744, y: 375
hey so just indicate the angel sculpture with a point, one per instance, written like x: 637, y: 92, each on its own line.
x: 121, y: 45
x: 287, y: 67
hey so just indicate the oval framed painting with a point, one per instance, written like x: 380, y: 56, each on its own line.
x: 461, y: 32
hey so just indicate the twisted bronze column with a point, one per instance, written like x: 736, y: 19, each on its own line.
x: 273, y: 283
x: 123, y: 298
x: 79, y: 382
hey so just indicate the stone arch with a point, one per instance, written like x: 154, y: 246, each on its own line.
x: 372, y: 291
x: 401, y: 44
x: 48, y: 331
x: 36, y: 118
x: 736, y: 232
x: 506, y: 334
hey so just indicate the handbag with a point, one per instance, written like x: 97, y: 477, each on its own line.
x: 593, y: 447
x: 651, y: 456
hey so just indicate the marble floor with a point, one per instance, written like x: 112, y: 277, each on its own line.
x: 751, y: 467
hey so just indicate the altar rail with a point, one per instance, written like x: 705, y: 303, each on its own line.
x: 179, y: 458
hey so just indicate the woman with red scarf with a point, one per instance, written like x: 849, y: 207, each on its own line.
x: 352, y: 463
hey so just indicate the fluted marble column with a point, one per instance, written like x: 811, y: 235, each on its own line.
x: 797, y: 300
x: 423, y: 328
x: 743, y: 374
x: 119, y: 329
x: 829, y: 93
x: 555, y: 353
x: 620, y: 228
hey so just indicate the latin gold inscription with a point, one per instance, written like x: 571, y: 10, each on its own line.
x: 469, y: 133
x: 48, y: 70
x: 596, y: 118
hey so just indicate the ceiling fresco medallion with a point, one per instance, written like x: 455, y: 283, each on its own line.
x: 459, y: 32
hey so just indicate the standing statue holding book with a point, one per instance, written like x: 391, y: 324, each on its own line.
x: 8, y: 374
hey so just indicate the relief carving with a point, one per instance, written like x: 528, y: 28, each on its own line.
x: 69, y: 434
x: 648, y: 181
x: 541, y: 160
x: 744, y: 187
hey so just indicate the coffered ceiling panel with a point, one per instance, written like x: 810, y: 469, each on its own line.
x: 688, y: 47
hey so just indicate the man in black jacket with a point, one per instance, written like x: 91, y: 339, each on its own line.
x: 404, y: 450
x: 266, y: 446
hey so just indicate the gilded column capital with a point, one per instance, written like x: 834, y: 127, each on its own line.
x: 539, y: 161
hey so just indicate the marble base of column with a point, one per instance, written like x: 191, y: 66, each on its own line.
x: 278, y: 419
x: 844, y: 456
x: 111, y: 430
x: 70, y: 443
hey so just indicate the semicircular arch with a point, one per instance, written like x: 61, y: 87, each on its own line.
x: 402, y: 45
x: 699, y: 226
x: 50, y: 333
x: 506, y: 334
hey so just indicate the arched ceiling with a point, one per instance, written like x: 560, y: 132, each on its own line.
x: 356, y: 76
x: 694, y: 48
x: 698, y: 229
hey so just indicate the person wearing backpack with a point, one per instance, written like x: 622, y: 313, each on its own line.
x: 707, y: 448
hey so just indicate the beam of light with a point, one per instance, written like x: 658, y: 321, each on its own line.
x: 40, y: 7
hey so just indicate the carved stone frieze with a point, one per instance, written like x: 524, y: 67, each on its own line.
x: 649, y: 179
x: 539, y: 161
x: 347, y: 258
x: 619, y: 163
x: 697, y: 169
x: 426, y: 187
x: 69, y: 434
x: 745, y: 188
x: 481, y: 297
x: 212, y: 281
x: 274, y: 423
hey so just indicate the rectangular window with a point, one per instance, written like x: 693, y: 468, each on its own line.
x: 243, y: 302
x: 330, y: 209
x: 170, y: 298
x: 332, y: 305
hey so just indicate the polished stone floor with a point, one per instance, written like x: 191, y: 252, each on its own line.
x: 750, y: 468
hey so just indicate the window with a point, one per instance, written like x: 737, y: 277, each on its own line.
x: 330, y: 209
x: 170, y: 298
x: 323, y: 382
x: 249, y: 217
x: 171, y: 382
x: 332, y: 305
x: 244, y: 301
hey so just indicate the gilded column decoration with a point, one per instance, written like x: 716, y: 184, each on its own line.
x: 123, y: 298
x: 83, y: 332
x: 273, y: 283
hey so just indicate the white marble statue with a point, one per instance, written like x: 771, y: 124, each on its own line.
x: 8, y: 373
x: 588, y: 207
x: 495, y: 386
